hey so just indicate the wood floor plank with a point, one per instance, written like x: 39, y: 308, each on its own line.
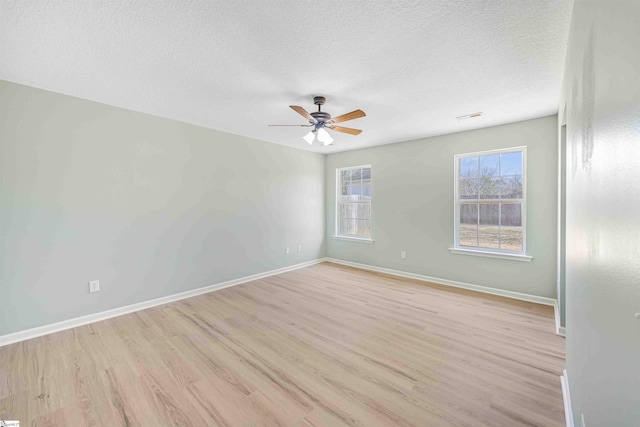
x: 326, y: 345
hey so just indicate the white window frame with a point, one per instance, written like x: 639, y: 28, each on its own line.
x: 336, y: 234
x: 488, y: 252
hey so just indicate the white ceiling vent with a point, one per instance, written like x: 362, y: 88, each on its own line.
x: 469, y: 116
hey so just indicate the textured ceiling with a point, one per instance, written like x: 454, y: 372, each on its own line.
x: 236, y: 66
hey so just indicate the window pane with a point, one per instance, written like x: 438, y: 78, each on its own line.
x: 350, y: 210
x: 354, y: 191
x: 489, y: 165
x: 468, y: 167
x: 489, y: 214
x: 347, y: 218
x: 511, y: 187
x: 489, y: 188
x: 469, y: 188
x: 511, y: 163
x: 489, y: 228
x: 366, y: 190
x: 469, y: 235
x: 361, y: 193
x: 342, y: 217
x: 348, y: 226
x: 511, y: 238
x: 511, y: 214
x: 364, y: 228
x: 489, y: 236
x: 469, y: 214
x: 468, y: 225
x: 511, y: 227
x: 355, y: 219
x: 364, y: 211
x: 366, y: 173
x: 342, y: 224
x: 345, y: 177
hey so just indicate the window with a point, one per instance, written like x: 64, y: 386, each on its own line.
x: 490, y: 201
x: 353, y: 202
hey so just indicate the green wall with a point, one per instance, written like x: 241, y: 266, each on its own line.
x: 412, y: 208
x: 148, y: 206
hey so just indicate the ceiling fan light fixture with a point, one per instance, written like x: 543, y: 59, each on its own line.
x: 324, y: 137
x: 309, y: 137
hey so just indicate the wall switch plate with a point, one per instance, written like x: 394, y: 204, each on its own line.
x: 94, y: 286
x: 299, y: 248
x: 582, y: 421
x: 286, y: 251
x: 403, y: 254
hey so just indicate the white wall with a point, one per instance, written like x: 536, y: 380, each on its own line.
x: 602, y: 97
x: 149, y: 206
x: 412, y: 207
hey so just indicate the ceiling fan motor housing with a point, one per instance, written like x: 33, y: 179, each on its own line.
x: 321, y: 116
x: 319, y: 100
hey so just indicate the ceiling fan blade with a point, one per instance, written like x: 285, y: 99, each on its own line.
x: 302, y: 112
x: 349, y: 116
x: 350, y: 131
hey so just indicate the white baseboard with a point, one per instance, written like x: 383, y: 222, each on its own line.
x: 566, y: 398
x: 560, y: 330
x: 103, y: 315
x: 447, y: 282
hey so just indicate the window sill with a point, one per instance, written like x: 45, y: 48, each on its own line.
x: 487, y: 254
x: 353, y: 239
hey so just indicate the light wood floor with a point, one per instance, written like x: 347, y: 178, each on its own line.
x: 322, y: 346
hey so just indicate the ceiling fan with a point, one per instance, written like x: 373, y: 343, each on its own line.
x: 321, y: 120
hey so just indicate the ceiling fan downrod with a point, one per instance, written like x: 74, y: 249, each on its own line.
x: 320, y: 116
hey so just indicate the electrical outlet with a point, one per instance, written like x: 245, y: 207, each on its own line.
x: 94, y: 286
x: 403, y: 254
x: 286, y: 251
x: 299, y: 248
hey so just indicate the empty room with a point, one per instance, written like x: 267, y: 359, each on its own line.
x: 294, y: 213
